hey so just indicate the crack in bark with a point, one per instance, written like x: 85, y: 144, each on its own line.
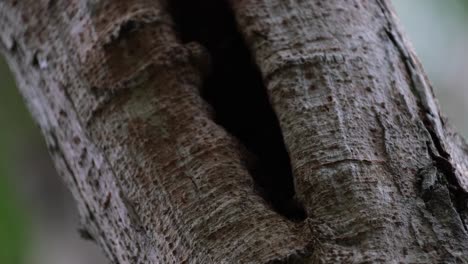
x: 431, y: 121
x: 441, y: 160
x: 457, y: 196
x: 235, y: 90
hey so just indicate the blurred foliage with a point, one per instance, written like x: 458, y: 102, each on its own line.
x: 465, y: 3
x: 15, y: 122
x: 12, y: 225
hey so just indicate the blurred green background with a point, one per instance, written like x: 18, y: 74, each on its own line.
x: 38, y: 220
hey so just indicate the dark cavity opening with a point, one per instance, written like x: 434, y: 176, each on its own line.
x: 235, y: 90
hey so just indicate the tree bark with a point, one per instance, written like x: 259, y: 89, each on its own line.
x: 136, y: 109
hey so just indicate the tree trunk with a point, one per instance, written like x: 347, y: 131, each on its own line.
x: 264, y: 131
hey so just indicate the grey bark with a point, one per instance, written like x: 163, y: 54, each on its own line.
x: 382, y: 176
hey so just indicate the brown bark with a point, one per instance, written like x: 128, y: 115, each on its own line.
x: 127, y: 95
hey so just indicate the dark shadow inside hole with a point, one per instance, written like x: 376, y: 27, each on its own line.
x: 236, y: 92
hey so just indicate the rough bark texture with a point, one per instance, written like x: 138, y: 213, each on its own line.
x: 164, y: 175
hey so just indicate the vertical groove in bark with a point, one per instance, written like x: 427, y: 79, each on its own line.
x: 349, y: 112
x: 234, y: 88
x: 161, y: 182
